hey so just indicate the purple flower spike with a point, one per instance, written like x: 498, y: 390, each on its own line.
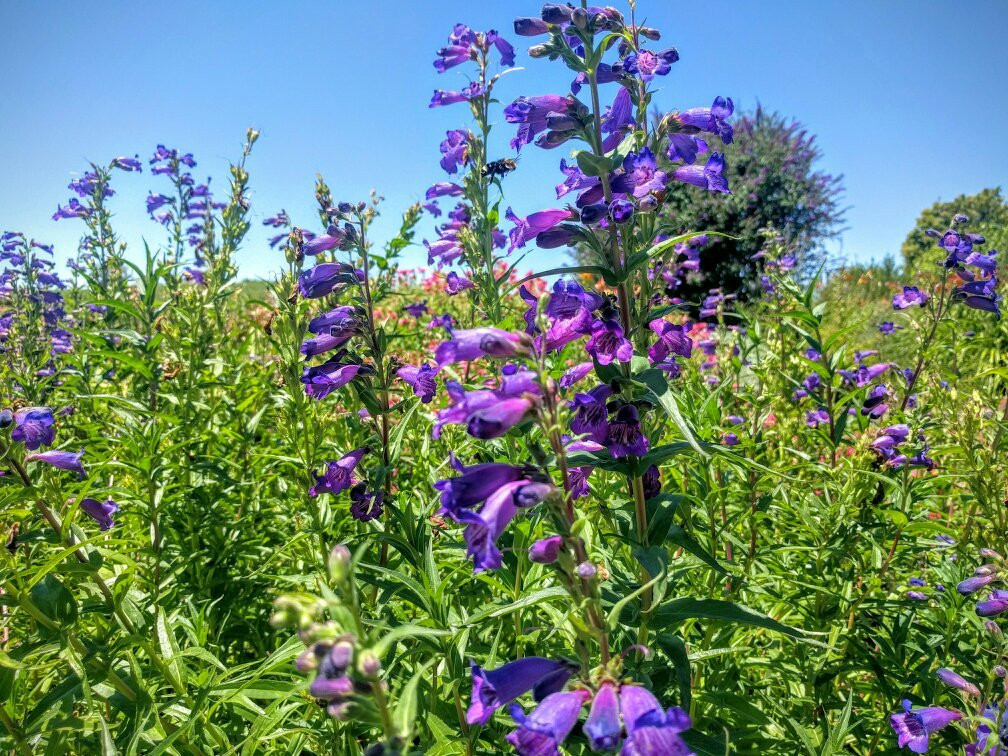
x: 603, y: 726
x: 338, y: 476
x: 495, y: 688
x: 543, y: 731
x: 423, y: 380
x: 914, y: 727
x: 100, y: 511
x: 546, y: 550
x: 607, y: 343
x: 33, y: 426
x: 63, y: 460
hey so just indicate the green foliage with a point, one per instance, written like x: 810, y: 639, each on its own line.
x: 988, y: 215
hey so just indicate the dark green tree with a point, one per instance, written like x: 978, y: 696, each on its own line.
x: 988, y: 215
x: 775, y: 184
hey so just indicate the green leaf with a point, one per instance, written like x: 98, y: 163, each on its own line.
x: 654, y: 381
x: 406, y: 710
x: 680, y: 609
x: 592, y: 164
x: 536, y: 597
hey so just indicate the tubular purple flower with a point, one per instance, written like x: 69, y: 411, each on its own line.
x: 480, y: 342
x: 647, y: 64
x: 671, y: 339
x: 640, y: 175
x: 338, y: 475
x: 607, y: 343
x: 365, y: 505
x: 338, y: 318
x: 504, y: 48
x: 423, y: 380
x: 322, y: 380
x: 530, y: 227
x: 495, y: 420
x: 531, y: 114
x: 324, y: 278
x: 454, y: 150
x: 621, y: 211
x: 909, y: 297
x: 483, y: 528
x: 63, y: 460
x: 603, y: 727
x: 332, y: 239
x: 327, y: 342
x: 713, y: 119
x: 546, y: 550
x: 100, y: 511
x: 576, y: 374
x: 708, y: 177
x: 455, y: 283
x: 651, y: 731
x: 33, y: 426
x: 493, y: 689
x: 590, y: 414
x: 995, y: 604
x: 955, y: 680
x: 475, y: 484
x: 913, y: 727
x: 543, y: 731
x: 625, y: 436
x: 530, y: 27
x: 444, y: 189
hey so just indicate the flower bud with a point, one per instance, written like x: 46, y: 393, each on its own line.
x: 341, y: 654
x: 955, y: 680
x: 6, y: 418
x: 990, y: 554
x: 586, y: 570
x: 1000, y: 671
x: 648, y: 33
x: 539, y: 51
x: 992, y: 627
x: 339, y: 563
x: 579, y: 17
x: 546, y: 550
x: 647, y: 203
x: 339, y: 710
x: 369, y: 664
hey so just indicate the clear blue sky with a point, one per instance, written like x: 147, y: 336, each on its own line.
x: 908, y: 99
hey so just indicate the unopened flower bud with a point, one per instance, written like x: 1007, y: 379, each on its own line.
x: 992, y: 627
x: 579, y: 17
x: 1000, y: 671
x: 546, y: 550
x: 539, y: 51
x: 586, y: 570
x: 990, y: 554
x: 339, y: 710
x: 949, y: 677
x: 306, y: 661
x: 341, y: 654
x: 648, y: 33
x: 339, y: 563
x: 648, y: 203
x: 369, y: 664
x: 6, y: 418
x: 345, y: 207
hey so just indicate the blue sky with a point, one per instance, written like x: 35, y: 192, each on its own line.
x: 907, y: 97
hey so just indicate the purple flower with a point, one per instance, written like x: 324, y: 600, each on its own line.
x: 671, y: 339
x: 480, y: 342
x: 327, y: 342
x: 576, y: 374
x: 713, y: 119
x: 543, y: 731
x: 423, y: 380
x: 913, y: 727
x: 33, y: 426
x: 975, y: 583
x: 324, y: 278
x: 444, y: 189
x: 590, y: 414
x: 995, y: 604
x: 530, y: 227
x: 337, y: 476
x: 339, y: 318
x: 455, y: 150
x: 127, y: 164
x: 453, y: 55
x: 603, y: 727
x: 546, y: 550
x: 625, y: 436
x: 647, y: 64
x: 815, y: 418
x: 640, y: 175
x: 607, y: 343
x: 532, y: 113
x: 475, y: 484
x: 496, y: 419
x: 333, y: 237
x: 445, y: 321
x: 504, y: 48
x: 322, y: 380
x: 63, y: 460
x: 910, y: 296
x: 100, y: 511
x: 365, y: 505
x: 651, y: 482
x: 530, y: 27
x: 707, y: 177
x: 955, y: 680
x: 485, y: 526
x: 454, y: 283
x: 730, y: 439
x: 651, y: 731
x: 442, y: 97
x: 416, y: 309
x: 620, y: 211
